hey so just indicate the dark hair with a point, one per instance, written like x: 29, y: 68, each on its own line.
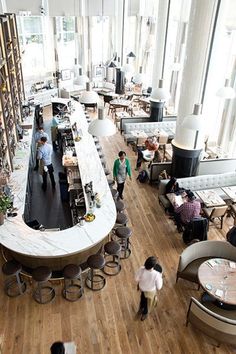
x: 57, y: 348
x: 190, y: 195
x: 44, y: 139
x: 150, y: 262
x: 40, y: 128
x: 121, y: 153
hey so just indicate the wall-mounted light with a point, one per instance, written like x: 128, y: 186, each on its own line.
x: 131, y: 55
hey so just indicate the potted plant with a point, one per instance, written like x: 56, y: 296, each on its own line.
x: 5, y: 203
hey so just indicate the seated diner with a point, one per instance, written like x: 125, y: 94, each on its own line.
x: 184, y: 213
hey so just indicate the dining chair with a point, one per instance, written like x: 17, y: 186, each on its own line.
x: 216, y: 213
x: 163, y: 140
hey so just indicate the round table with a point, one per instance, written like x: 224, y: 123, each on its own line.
x: 217, y: 277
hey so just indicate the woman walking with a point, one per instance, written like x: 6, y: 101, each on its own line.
x: 121, y: 169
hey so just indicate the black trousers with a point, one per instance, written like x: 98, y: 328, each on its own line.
x: 139, y: 158
x: 51, y: 175
x: 143, y: 304
x: 120, y: 189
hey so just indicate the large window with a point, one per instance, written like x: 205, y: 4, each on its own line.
x: 66, y: 47
x: 37, y: 48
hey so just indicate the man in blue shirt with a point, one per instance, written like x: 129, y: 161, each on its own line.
x: 38, y: 135
x: 45, y: 155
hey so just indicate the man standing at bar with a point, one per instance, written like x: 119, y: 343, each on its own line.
x: 38, y: 135
x: 45, y: 156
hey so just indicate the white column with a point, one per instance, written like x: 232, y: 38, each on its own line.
x: 160, y: 41
x: 199, y: 35
x: 3, y: 7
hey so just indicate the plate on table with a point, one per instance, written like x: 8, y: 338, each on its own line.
x: 89, y: 217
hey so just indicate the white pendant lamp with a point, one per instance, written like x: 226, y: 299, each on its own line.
x: 160, y: 93
x: 194, y: 122
x: 226, y: 92
x: 102, y: 126
x: 138, y: 78
x: 89, y: 96
x: 81, y: 79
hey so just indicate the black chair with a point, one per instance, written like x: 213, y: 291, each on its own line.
x: 196, y: 229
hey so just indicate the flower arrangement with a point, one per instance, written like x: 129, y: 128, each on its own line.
x: 5, y: 203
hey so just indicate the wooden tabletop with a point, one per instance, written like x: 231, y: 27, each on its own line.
x: 231, y: 192
x: 120, y: 102
x: 210, y: 198
x: 217, y: 277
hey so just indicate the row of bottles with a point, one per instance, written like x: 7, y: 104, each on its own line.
x: 11, y: 91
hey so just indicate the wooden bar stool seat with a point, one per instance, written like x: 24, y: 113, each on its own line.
x: 122, y: 235
x: 13, y: 285
x: 95, y: 281
x: 43, y: 292
x: 112, y: 251
x: 73, y: 285
x: 120, y: 206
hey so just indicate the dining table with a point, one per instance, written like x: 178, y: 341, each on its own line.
x: 176, y: 199
x: 217, y: 277
x: 210, y: 198
x: 120, y: 103
x: 230, y: 192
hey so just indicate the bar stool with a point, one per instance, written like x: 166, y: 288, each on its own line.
x: 96, y: 140
x: 94, y: 280
x: 122, y: 235
x: 43, y: 292
x: 111, y: 182
x: 107, y: 172
x: 101, y: 154
x: 120, y: 206
x: 112, y: 251
x: 73, y: 285
x: 121, y: 219
x: 98, y: 147
x: 13, y: 285
x: 103, y: 161
x: 114, y: 193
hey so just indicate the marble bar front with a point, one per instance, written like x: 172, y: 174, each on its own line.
x: 58, y: 248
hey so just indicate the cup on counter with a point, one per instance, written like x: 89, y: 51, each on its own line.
x: 81, y: 221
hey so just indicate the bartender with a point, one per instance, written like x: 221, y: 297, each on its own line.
x: 54, y: 132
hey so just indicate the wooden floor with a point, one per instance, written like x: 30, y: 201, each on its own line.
x: 105, y: 322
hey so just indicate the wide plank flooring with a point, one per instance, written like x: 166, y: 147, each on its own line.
x: 105, y: 322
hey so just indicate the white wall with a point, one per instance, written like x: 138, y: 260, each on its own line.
x: 14, y: 6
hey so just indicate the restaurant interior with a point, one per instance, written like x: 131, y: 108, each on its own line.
x: 155, y: 80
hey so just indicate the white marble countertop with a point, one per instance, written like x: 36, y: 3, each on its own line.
x: 18, y: 237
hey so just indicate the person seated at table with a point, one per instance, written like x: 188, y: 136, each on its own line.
x: 231, y: 236
x: 147, y: 153
x: 172, y: 186
x: 184, y: 213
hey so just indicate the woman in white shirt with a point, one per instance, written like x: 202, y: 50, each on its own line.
x: 149, y: 281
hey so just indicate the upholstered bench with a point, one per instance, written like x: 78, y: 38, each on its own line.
x: 197, y: 183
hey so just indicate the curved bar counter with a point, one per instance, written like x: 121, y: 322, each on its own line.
x: 58, y: 248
